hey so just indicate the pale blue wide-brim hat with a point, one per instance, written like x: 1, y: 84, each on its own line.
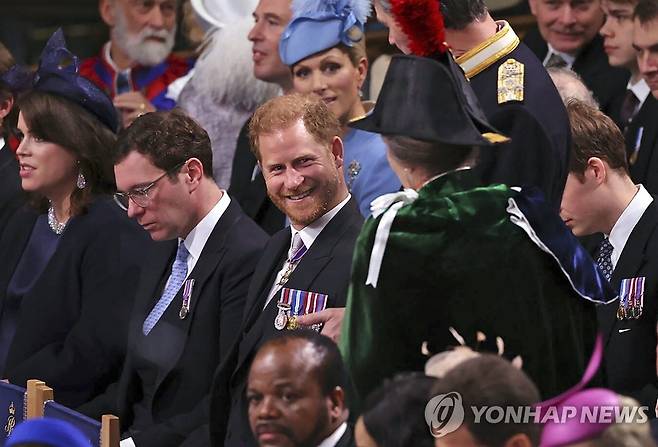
x: 319, y: 25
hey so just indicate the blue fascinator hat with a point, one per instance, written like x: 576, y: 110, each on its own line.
x: 318, y: 25
x: 58, y: 74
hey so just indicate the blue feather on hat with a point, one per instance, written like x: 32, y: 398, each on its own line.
x: 361, y: 8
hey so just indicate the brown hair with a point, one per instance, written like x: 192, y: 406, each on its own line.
x: 436, y: 158
x: 593, y: 134
x: 65, y: 123
x: 168, y: 138
x: 646, y: 11
x: 282, y: 112
x: 486, y: 381
x: 6, y: 62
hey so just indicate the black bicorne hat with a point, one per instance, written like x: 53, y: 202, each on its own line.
x: 427, y: 97
x: 421, y: 99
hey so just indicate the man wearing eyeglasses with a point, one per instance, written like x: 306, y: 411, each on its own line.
x: 136, y: 66
x: 192, y: 291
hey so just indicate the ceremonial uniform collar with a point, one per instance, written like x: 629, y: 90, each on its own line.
x: 489, y: 52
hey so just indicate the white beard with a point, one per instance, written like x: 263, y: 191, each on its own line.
x: 137, y: 47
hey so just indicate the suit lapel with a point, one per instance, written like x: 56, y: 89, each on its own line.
x: 645, y: 120
x: 632, y: 260
x: 211, y: 255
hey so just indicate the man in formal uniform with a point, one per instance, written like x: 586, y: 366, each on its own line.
x: 645, y: 41
x: 10, y: 182
x: 639, y: 109
x: 136, y: 66
x: 308, y: 367
x: 601, y: 198
x: 566, y: 35
x: 303, y: 276
x: 515, y: 92
x: 247, y: 185
x: 193, y: 287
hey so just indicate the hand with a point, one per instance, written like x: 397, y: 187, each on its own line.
x: 331, y: 318
x: 132, y: 105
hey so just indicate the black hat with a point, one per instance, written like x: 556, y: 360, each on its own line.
x: 58, y: 74
x: 420, y: 98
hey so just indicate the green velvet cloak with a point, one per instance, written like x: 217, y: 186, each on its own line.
x: 454, y: 259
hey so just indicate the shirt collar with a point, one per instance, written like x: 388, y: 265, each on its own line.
x: 627, y: 221
x: 640, y: 89
x: 490, y: 51
x: 196, y: 240
x: 2, y: 143
x: 333, y: 439
x: 310, y: 232
x: 568, y: 58
x: 108, y: 58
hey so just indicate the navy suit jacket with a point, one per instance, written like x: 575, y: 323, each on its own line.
x: 645, y: 168
x: 630, y: 345
x: 11, y: 193
x: 71, y: 332
x: 195, y: 345
x: 325, y: 268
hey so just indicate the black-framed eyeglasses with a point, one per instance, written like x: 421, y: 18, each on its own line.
x: 140, y: 196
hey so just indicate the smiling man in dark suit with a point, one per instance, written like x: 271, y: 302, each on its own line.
x: 306, y: 266
x: 192, y: 292
x: 600, y: 197
x: 567, y: 35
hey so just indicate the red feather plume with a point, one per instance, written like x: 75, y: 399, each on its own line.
x: 422, y: 22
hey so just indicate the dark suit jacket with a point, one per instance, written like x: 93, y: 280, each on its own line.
x: 645, y: 169
x: 538, y: 126
x: 252, y: 194
x: 325, y: 268
x: 607, y: 83
x: 195, y: 345
x: 10, y: 186
x: 630, y: 355
x: 72, y: 327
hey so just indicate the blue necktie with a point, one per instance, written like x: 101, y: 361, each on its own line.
x: 604, y: 259
x: 174, y: 283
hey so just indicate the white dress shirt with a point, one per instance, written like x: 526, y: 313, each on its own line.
x: 627, y: 221
x: 568, y: 58
x: 333, y: 439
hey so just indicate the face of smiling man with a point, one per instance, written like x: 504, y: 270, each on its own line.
x: 304, y: 177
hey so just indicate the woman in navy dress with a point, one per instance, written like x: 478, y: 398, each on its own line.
x: 70, y: 258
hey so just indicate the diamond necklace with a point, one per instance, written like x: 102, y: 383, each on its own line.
x: 53, y: 223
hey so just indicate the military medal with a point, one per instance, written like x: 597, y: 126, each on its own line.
x: 187, y: 294
x: 295, y: 303
x: 631, y: 298
x: 282, y: 316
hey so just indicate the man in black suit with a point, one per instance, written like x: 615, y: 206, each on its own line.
x: 516, y: 94
x: 295, y: 138
x: 296, y: 392
x: 645, y: 41
x: 600, y: 197
x: 639, y: 108
x: 10, y: 182
x: 566, y: 35
x: 247, y: 185
x: 192, y: 291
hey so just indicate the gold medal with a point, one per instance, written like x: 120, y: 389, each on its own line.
x: 292, y: 323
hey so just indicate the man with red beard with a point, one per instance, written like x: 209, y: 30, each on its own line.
x: 303, y: 276
x: 136, y: 66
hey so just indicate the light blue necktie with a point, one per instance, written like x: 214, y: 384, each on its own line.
x: 123, y: 82
x: 174, y: 283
